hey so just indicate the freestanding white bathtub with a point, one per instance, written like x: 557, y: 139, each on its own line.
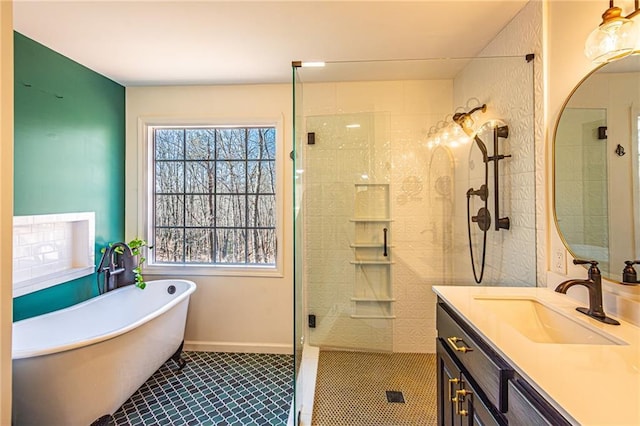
x: 75, y: 365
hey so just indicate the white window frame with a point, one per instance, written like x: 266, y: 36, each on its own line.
x: 145, y: 204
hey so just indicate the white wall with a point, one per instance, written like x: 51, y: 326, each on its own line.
x: 6, y: 205
x: 226, y: 313
x: 568, y: 25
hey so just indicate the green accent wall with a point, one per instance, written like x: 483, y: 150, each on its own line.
x: 69, y: 155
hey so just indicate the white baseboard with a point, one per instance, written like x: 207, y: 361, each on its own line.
x: 242, y: 347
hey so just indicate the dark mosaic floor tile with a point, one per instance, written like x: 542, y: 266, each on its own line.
x: 215, y: 389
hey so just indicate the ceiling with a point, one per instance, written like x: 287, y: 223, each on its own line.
x: 150, y: 42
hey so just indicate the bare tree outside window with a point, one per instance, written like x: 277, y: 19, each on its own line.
x: 214, y: 195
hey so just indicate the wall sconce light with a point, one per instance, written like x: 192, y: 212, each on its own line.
x: 455, y: 130
x: 464, y: 120
x: 615, y: 38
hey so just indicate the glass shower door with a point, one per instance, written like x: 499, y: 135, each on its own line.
x: 348, y: 222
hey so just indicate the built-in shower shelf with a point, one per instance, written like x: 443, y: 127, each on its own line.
x: 373, y: 299
x: 373, y: 316
x: 368, y: 245
x: 372, y: 296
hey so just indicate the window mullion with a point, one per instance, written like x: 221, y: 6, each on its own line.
x: 215, y: 197
x: 246, y: 196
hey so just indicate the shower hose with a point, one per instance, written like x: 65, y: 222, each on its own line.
x: 478, y: 279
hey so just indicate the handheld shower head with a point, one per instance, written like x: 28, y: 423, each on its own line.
x: 483, y: 148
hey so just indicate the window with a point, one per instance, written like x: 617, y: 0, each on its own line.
x: 213, y: 195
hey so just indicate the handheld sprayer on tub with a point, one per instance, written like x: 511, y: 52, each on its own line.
x: 117, y: 264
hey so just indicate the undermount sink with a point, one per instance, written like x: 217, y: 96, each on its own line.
x: 542, y: 324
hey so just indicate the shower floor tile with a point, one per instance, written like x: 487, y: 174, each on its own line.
x: 214, y: 388
x: 353, y: 389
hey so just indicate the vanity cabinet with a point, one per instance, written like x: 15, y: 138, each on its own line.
x: 527, y: 408
x: 459, y: 399
x: 478, y: 387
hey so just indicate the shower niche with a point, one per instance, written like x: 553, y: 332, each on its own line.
x: 372, y: 290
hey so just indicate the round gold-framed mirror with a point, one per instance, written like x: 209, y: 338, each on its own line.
x: 595, y: 167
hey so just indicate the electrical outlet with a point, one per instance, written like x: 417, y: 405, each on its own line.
x: 559, y: 263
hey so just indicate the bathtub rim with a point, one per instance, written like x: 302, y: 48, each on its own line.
x: 31, y: 353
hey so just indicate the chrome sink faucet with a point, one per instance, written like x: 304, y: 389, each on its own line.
x: 594, y: 285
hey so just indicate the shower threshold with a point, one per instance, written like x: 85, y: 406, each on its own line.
x: 305, y: 386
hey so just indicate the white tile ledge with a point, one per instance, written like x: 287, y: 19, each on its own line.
x: 51, y: 249
x: 39, y: 283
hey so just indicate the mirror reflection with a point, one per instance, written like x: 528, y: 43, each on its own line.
x: 597, y: 201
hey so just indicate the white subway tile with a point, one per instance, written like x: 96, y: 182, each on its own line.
x: 47, y: 249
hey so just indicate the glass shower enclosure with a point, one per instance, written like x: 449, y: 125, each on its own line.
x: 380, y: 182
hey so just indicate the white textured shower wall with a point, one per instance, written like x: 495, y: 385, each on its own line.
x: 389, y: 148
x: 513, y: 93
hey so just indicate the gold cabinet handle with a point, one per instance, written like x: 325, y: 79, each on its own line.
x: 452, y: 382
x: 453, y: 342
x: 459, y: 399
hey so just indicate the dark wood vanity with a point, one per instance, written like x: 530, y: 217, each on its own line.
x: 476, y: 386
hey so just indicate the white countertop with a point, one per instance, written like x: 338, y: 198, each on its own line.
x: 588, y: 384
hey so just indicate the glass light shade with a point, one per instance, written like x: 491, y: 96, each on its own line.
x: 461, y: 137
x: 612, y: 40
x: 468, y: 126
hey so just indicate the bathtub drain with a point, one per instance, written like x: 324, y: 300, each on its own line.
x: 171, y: 289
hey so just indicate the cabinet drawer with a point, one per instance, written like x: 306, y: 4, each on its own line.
x: 527, y: 408
x: 489, y: 371
x: 479, y: 411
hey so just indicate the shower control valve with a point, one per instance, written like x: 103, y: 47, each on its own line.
x: 483, y: 219
x: 482, y: 192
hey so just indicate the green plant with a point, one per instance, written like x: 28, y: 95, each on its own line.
x: 136, y: 246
